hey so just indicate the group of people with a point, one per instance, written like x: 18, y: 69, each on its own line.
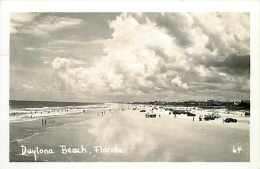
x: 44, y: 122
x: 200, y: 118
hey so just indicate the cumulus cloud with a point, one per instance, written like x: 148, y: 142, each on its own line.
x: 230, y: 33
x: 145, y: 55
x: 131, y: 64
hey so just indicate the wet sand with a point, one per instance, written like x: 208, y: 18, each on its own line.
x: 132, y: 137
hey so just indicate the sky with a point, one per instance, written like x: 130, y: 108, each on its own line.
x: 111, y: 57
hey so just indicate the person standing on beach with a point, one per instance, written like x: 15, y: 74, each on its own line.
x: 45, y: 122
x: 193, y: 118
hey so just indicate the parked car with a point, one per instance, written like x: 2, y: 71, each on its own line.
x: 212, y: 116
x: 230, y: 120
x: 209, y: 117
x: 247, y: 113
x: 150, y: 115
x: 190, y: 114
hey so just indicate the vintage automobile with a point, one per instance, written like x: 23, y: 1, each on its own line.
x: 212, y: 116
x: 230, y: 120
x: 150, y: 115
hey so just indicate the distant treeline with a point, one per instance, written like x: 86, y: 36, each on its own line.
x: 40, y: 104
x: 242, y: 105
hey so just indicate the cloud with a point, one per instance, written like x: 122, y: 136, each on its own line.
x: 146, y: 56
x: 27, y: 86
x: 22, y: 23
x: 234, y: 65
x: 52, y: 23
x: 29, y: 49
x: 130, y: 62
x: 224, y: 37
x: 60, y: 63
x: 20, y: 19
x: 178, y: 82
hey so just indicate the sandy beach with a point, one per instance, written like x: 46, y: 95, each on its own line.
x: 122, y: 133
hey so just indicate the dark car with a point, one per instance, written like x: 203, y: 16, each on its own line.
x: 190, y: 114
x: 150, y: 115
x: 230, y: 120
x: 212, y: 116
x: 209, y: 117
x: 247, y: 114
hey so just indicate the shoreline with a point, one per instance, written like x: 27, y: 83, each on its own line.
x: 161, y: 139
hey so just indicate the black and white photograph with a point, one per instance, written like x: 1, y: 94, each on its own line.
x: 129, y: 87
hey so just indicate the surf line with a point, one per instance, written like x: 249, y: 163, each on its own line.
x: 35, y: 151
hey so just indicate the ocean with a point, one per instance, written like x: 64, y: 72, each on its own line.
x: 33, y: 110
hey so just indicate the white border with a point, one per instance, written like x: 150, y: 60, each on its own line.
x: 7, y: 7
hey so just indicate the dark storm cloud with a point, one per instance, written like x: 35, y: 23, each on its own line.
x: 234, y: 64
